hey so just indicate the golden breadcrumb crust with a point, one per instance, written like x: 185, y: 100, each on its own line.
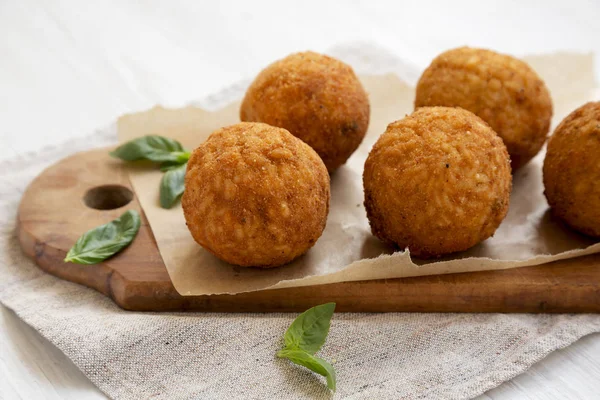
x: 572, y: 170
x: 317, y: 98
x: 255, y: 195
x: 502, y: 90
x: 437, y: 182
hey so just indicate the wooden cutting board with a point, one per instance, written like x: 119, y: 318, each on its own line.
x: 89, y: 189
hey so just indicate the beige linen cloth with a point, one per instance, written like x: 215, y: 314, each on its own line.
x: 132, y: 355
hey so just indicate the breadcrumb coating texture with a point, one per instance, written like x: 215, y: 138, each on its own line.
x: 317, y: 98
x: 255, y: 195
x: 502, y: 90
x: 437, y: 182
x: 572, y: 170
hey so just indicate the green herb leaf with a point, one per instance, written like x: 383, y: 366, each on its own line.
x: 171, y: 186
x: 104, y: 241
x: 309, y: 331
x: 311, y: 362
x: 304, y: 338
x: 154, y: 148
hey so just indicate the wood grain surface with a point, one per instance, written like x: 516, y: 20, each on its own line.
x: 55, y: 211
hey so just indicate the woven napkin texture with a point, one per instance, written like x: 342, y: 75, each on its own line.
x: 131, y: 355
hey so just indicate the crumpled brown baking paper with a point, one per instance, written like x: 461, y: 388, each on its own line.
x: 347, y: 251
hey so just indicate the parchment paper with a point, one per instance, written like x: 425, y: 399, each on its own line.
x: 347, y: 251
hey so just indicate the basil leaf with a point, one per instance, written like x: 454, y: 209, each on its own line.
x: 309, y: 330
x: 311, y: 362
x: 104, y: 241
x: 154, y: 148
x: 171, y: 186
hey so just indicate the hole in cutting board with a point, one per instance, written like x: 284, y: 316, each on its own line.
x: 107, y: 197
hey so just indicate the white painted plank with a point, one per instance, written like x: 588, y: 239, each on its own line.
x: 33, y: 368
x: 67, y: 67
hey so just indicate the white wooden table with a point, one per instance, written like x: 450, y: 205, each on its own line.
x: 67, y: 67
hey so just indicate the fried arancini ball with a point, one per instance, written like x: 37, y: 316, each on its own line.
x: 255, y: 195
x: 572, y: 170
x: 437, y: 181
x: 317, y: 98
x: 502, y: 90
